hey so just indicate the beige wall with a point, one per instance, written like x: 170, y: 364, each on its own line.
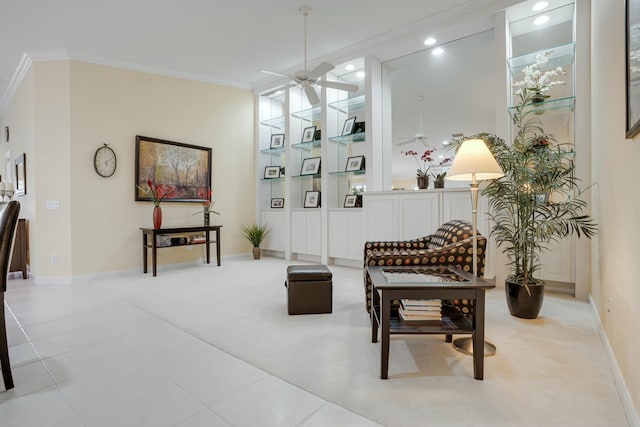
x: 616, y: 203
x: 67, y: 109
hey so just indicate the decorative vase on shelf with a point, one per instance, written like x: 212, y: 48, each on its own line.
x: 157, y: 217
x: 206, y: 219
x: 423, y: 182
x: 438, y: 183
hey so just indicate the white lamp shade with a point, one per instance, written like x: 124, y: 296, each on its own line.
x: 474, y: 159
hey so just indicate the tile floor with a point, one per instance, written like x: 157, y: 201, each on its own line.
x: 179, y: 350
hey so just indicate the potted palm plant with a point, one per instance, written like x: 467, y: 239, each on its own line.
x: 255, y: 234
x: 538, y: 201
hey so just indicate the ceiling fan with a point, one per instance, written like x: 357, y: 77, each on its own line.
x: 309, y: 79
x: 420, y: 136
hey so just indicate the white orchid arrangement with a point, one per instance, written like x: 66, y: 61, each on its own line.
x: 535, y: 82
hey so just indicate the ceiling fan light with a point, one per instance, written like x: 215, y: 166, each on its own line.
x: 540, y: 6
x: 541, y: 20
x: 430, y: 41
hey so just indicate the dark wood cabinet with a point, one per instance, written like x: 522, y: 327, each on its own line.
x: 19, y: 257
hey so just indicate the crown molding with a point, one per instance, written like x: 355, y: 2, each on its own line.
x: 28, y: 58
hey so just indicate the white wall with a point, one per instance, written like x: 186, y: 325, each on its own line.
x: 616, y: 204
x: 65, y: 110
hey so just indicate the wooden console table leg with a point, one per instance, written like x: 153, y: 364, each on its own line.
x: 478, y: 336
x: 207, y: 244
x: 154, y: 254
x: 385, y: 315
x: 144, y: 252
x: 218, y: 245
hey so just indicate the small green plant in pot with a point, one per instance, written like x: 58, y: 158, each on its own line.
x: 255, y: 234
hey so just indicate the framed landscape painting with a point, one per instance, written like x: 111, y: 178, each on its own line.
x: 183, y: 171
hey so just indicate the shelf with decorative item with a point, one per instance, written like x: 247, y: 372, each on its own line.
x: 360, y: 172
x: 349, y: 139
x: 308, y: 115
x: 559, y: 56
x: 273, y: 151
x: 307, y: 145
x: 561, y: 104
x: 349, y: 105
x: 276, y: 122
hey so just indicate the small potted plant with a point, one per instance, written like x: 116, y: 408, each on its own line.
x: 422, y: 173
x: 255, y: 234
x: 438, y: 178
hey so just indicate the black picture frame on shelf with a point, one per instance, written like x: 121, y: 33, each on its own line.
x: 310, y: 166
x: 347, y: 128
x: 271, y: 172
x: 308, y: 134
x: 312, y: 199
x: 354, y: 163
x: 352, y: 201
x: 277, y: 140
x: 277, y: 203
x: 632, y: 28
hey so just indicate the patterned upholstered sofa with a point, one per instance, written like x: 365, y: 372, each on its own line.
x: 451, y: 244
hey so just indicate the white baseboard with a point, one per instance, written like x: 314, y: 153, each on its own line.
x: 618, y: 378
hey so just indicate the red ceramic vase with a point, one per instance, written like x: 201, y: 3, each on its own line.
x: 157, y: 217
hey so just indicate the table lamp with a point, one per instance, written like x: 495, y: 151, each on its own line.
x: 474, y: 162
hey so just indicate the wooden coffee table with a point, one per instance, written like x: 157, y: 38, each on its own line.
x: 424, y: 282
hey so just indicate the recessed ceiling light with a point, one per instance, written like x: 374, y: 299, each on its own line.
x: 540, y: 6
x: 430, y: 41
x: 360, y: 74
x: 350, y: 67
x: 438, y: 51
x: 541, y: 20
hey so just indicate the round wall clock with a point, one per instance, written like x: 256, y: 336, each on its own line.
x: 104, y: 161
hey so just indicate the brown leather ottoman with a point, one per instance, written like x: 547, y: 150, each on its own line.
x: 309, y: 289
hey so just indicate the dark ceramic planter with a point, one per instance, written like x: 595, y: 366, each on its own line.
x: 520, y: 302
x: 423, y: 182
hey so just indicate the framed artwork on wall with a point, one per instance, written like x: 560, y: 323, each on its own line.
x: 277, y: 203
x: 182, y: 170
x: 633, y: 67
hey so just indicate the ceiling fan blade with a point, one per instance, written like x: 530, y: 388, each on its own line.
x: 273, y: 73
x: 336, y: 85
x: 312, y: 96
x: 321, y: 69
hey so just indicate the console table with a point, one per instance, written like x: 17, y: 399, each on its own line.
x: 153, y: 233
x: 395, y: 283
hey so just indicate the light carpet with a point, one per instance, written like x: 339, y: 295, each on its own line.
x: 552, y: 371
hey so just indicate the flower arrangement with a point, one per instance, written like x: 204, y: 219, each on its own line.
x: 536, y: 83
x: 427, y: 162
x: 208, y: 202
x: 156, y: 192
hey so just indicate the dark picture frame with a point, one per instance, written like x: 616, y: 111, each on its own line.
x: 310, y: 166
x: 308, y: 134
x: 21, y: 175
x: 347, y: 128
x: 277, y: 140
x: 354, y: 163
x: 271, y: 172
x: 312, y: 199
x: 633, y: 66
x: 277, y: 203
x: 184, y: 170
x: 351, y: 201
